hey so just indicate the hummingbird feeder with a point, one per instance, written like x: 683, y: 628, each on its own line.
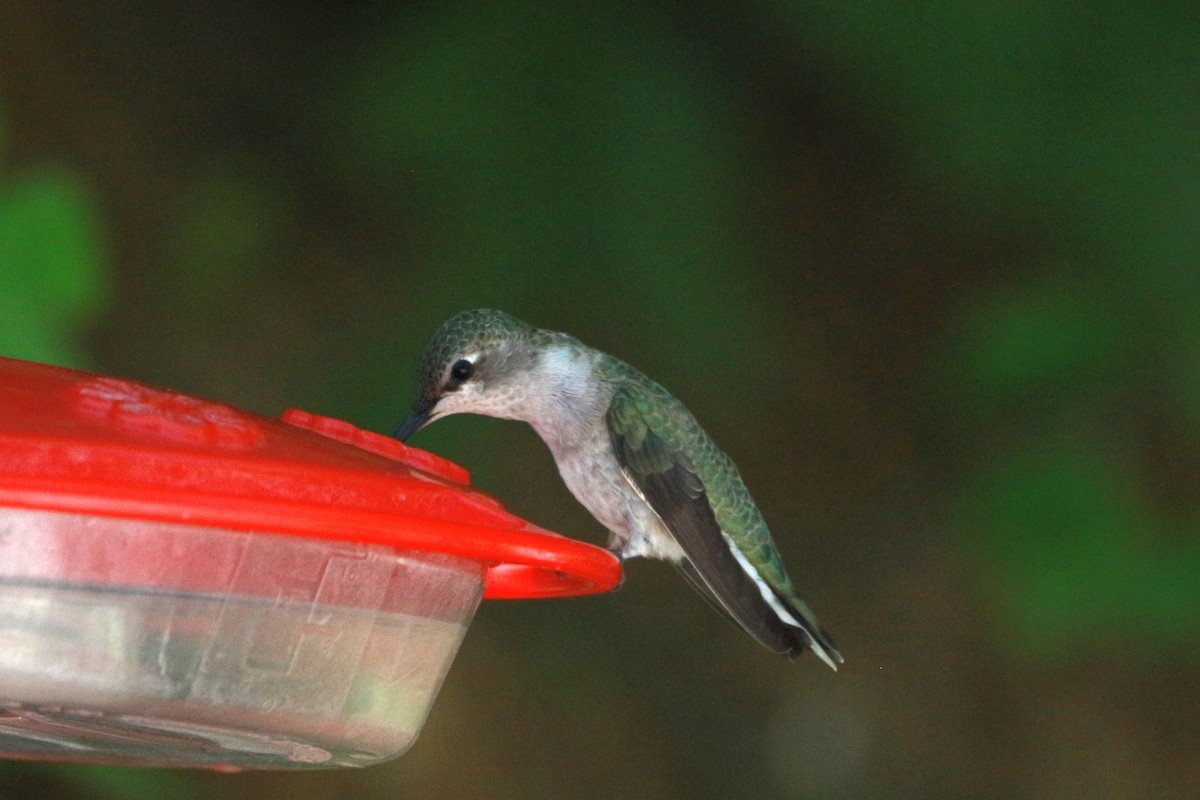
x: 186, y: 584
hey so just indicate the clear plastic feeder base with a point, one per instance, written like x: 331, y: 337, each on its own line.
x: 236, y: 649
x: 186, y: 584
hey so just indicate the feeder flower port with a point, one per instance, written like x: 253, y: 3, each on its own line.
x: 186, y: 584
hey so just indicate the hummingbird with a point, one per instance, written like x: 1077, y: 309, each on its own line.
x: 632, y: 455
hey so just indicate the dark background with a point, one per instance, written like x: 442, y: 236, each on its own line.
x: 929, y: 272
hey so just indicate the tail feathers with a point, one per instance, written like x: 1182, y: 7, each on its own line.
x: 809, y: 633
x: 782, y: 626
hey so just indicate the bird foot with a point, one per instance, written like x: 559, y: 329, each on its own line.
x: 620, y: 555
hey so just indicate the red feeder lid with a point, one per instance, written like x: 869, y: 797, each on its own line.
x: 76, y: 442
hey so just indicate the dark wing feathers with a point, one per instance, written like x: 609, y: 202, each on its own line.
x: 666, y: 478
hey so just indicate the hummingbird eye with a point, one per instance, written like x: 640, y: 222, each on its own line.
x: 460, y: 373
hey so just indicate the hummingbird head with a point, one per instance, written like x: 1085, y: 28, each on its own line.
x: 474, y: 364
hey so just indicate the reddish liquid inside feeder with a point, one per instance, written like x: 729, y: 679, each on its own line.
x: 186, y: 584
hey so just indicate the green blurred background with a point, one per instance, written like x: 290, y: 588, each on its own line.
x: 929, y: 272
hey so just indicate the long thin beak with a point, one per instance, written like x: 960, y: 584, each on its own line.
x: 411, y: 424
